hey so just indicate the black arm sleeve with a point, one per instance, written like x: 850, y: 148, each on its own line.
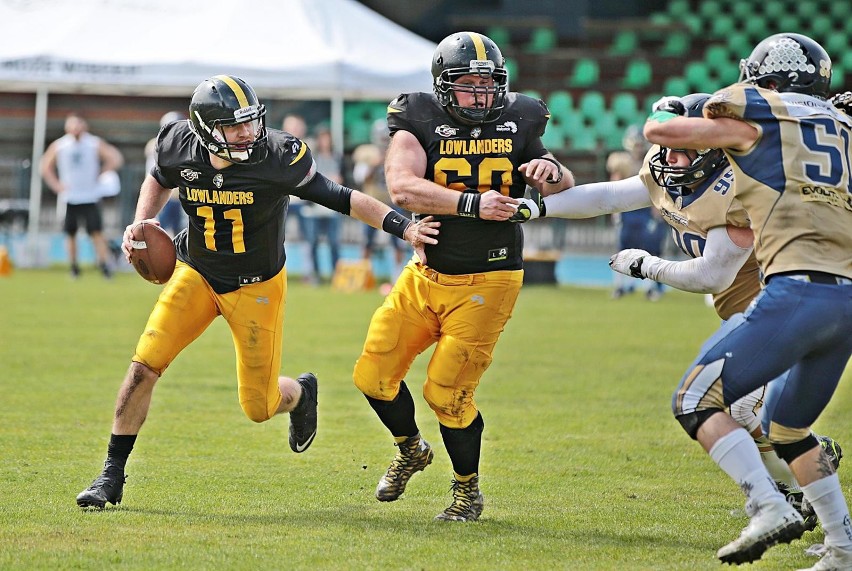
x: 327, y: 193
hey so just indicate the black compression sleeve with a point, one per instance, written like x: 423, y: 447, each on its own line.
x: 327, y: 193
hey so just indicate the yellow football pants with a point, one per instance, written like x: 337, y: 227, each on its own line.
x: 255, y: 315
x: 463, y: 314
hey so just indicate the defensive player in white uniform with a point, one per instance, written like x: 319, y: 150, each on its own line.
x: 790, y: 152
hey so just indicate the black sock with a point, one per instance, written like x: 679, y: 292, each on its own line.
x: 398, y: 414
x: 119, y: 449
x: 463, y: 446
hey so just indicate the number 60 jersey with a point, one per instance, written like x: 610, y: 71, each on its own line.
x: 794, y: 181
x: 479, y: 158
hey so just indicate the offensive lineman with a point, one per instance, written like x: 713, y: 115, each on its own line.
x: 463, y: 154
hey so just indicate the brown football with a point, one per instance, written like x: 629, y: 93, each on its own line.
x: 153, y: 252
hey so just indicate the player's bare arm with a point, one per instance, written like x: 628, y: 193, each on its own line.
x: 152, y: 198
x: 405, y: 167
x: 673, y: 132
x: 547, y: 175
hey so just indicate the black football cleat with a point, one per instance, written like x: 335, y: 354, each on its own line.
x: 108, y: 487
x: 303, y: 418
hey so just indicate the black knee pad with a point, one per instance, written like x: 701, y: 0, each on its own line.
x: 692, y: 421
x: 789, y: 452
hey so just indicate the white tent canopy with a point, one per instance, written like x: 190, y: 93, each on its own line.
x: 292, y: 49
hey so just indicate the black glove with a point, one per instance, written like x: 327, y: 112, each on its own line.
x: 843, y: 101
x: 669, y: 105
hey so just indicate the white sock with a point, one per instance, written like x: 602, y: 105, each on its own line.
x: 828, y: 502
x: 736, y: 454
x: 779, y: 470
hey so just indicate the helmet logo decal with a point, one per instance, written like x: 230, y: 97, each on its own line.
x: 786, y: 56
x: 482, y: 66
x: 446, y: 130
x: 247, y: 113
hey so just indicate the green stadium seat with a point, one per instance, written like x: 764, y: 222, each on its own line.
x: 694, y: 23
x: 722, y: 26
x: 679, y: 8
x: 744, y: 10
x: 771, y: 10
x: 637, y: 75
x: 698, y: 77
x: 625, y: 43
x: 660, y: 19
x: 821, y: 26
x: 836, y: 45
x: 716, y: 57
x: 608, y: 131
x: 541, y: 41
x: 709, y: 10
x: 788, y: 22
x: 676, y: 86
x: 511, y: 66
x: 837, y: 79
x: 586, y: 73
x: 647, y: 103
x: 624, y: 107
x: 741, y: 44
x: 500, y: 35
x: 592, y: 105
x: 553, y: 138
x: 560, y: 103
x: 676, y: 45
x: 583, y: 139
x: 845, y: 60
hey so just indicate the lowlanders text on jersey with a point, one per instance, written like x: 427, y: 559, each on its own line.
x: 208, y: 196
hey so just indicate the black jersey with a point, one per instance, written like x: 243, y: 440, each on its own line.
x: 235, y: 234
x: 480, y: 158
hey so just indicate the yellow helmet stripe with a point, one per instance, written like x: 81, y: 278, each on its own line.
x: 479, y: 45
x: 235, y: 87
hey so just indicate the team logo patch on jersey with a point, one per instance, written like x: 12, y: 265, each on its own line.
x: 218, y: 180
x: 475, y: 132
x: 498, y: 254
x: 189, y: 175
x: 508, y: 126
x: 446, y: 131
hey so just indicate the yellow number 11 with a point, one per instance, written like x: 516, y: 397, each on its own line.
x: 237, y: 228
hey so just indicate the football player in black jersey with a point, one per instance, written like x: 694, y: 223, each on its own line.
x: 235, y: 179
x: 464, y: 154
x: 789, y: 149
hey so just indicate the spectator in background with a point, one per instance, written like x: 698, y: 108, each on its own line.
x: 369, y: 174
x: 643, y: 228
x: 321, y: 220
x: 295, y: 125
x: 172, y: 217
x: 72, y: 167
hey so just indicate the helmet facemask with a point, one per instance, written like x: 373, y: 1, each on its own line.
x: 447, y: 89
x: 705, y: 164
x: 216, y: 140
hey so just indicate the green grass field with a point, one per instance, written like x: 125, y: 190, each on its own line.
x: 583, y: 466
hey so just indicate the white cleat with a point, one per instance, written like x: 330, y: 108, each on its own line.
x: 777, y: 522
x: 834, y: 560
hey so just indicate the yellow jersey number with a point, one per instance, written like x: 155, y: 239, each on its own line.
x: 237, y: 228
x: 487, y: 168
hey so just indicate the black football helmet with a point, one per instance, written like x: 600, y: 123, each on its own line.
x: 469, y: 53
x: 227, y: 100
x: 789, y: 62
x: 706, y: 163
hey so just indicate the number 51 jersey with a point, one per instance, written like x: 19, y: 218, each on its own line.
x: 474, y: 157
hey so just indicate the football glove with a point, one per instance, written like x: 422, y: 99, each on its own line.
x: 629, y: 262
x: 529, y: 209
x: 669, y: 104
x: 843, y: 101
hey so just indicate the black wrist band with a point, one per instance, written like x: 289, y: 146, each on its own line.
x: 396, y: 224
x: 558, y: 178
x: 469, y: 204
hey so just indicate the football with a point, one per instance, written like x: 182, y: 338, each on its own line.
x: 153, y: 252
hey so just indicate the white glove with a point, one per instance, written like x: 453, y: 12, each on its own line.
x: 669, y: 104
x: 528, y: 209
x: 629, y: 262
